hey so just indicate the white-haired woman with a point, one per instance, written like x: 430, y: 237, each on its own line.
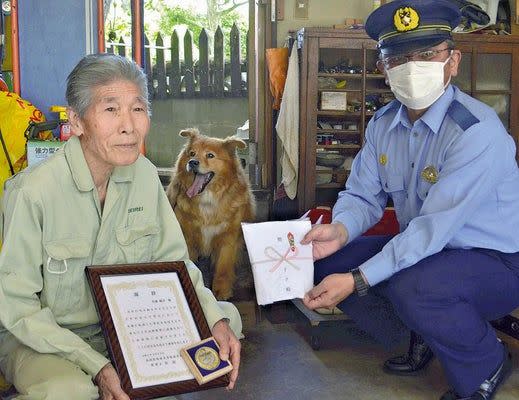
x: 96, y: 201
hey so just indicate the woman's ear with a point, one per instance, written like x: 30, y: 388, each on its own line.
x: 75, y: 122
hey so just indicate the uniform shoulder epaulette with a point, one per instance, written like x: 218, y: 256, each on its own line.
x: 461, y: 115
x: 385, y: 109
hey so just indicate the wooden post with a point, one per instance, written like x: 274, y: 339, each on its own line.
x: 160, y: 68
x: 235, y: 61
x: 121, y: 49
x: 174, y: 78
x: 188, y: 63
x: 218, y: 62
x: 203, y: 71
x: 149, y: 68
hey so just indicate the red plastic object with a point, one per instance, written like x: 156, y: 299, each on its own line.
x: 316, y: 212
x: 388, y: 224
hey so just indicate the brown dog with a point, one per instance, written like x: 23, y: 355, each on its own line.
x: 211, y: 196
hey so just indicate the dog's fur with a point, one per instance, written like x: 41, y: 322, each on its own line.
x: 210, y: 210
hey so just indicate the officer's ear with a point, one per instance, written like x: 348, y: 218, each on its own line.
x: 454, y: 63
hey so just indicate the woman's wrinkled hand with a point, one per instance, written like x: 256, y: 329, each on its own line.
x: 109, y: 384
x: 230, y: 348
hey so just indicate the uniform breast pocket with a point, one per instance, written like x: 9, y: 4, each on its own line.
x: 423, y: 188
x: 63, y: 270
x: 136, y: 242
x: 393, y: 185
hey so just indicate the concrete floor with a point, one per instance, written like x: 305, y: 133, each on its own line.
x: 279, y: 364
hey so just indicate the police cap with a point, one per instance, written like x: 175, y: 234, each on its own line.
x: 404, y: 26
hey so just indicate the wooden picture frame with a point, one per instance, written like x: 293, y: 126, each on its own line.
x: 126, y: 290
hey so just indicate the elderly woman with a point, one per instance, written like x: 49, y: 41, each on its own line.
x: 96, y: 201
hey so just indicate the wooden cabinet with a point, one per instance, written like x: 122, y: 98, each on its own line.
x: 341, y: 89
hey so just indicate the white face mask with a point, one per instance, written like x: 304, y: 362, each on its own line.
x: 418, y: 84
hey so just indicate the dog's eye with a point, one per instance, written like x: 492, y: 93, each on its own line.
x: 192, y: 154
x: 210, y: 155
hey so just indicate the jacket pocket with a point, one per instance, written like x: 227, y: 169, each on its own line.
x: 394, y: 186
x: 63, y: 268
x: 136, y: 242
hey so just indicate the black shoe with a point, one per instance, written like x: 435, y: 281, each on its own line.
x: 417, y: 358
x: 489, y: 387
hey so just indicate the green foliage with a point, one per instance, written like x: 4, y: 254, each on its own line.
x: 223, y: 14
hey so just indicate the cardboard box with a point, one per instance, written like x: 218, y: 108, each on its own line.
x: 334, y: 101
x: 39, y: 150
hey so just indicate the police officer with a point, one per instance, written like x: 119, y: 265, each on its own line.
x: 449, y: 166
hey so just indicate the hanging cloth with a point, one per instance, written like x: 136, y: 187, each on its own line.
x: 287, y: 126
x: 277, y: 63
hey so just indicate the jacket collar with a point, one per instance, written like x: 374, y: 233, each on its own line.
x: 80, y: 171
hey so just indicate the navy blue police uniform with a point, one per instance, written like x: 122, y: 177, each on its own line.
x: 453, y: 179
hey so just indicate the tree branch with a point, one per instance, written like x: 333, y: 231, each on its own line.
x: 230, y: 8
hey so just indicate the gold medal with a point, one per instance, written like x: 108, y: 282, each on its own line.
x: 382, y: 159
x: 429, y: 174
x: 207, y: 358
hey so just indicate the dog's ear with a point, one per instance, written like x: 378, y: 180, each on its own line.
x: 233, y: 142
x: 189, y: 133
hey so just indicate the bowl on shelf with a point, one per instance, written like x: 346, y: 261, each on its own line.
x: 323, y: 175
x: 329, y: 159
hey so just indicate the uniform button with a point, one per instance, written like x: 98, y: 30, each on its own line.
x: 412, y: 165
x: 415, y: 134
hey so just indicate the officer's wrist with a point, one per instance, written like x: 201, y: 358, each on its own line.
x: 360, y: 284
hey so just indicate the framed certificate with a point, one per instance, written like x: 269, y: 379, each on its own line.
x: 149, y: 312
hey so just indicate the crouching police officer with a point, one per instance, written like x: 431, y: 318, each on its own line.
x: 449, y: 166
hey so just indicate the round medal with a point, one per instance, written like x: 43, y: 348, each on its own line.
x: 207, y: 358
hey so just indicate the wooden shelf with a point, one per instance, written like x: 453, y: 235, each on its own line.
x: 339, y: 76
x: 337, y: 131
x: 341, y: 90
x: 332, y: 185
x: 331, y: 113
x: 339, y: 146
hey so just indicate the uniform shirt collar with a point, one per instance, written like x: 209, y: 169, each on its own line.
x: 80, y: 171
x: 433, y: 117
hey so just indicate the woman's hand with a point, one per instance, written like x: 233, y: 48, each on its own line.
x: 326, y: 239
x: 230, y: 347
x: 109, y: 384
x: 331, y: 291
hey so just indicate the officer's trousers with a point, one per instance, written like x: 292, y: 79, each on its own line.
x: 448, y: 298
x: 39, y: 376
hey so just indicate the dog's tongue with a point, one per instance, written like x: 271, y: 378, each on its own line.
x: 197, y: 185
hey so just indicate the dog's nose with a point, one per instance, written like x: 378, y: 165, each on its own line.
x: 193, y: 163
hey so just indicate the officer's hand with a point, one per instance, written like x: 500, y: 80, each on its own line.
x: 326, y: 239
x: 109, y: 385
x: 331, y: 291
x: 230, y: 347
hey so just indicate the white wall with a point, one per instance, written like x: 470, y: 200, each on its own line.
x: 323, y: 13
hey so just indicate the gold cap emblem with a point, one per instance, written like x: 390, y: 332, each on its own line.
x: 429, y: 174
x: 207, y: 358
x: 382, y: 159
x: 406, y: 19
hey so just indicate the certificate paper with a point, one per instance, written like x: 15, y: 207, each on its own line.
x: 282, y: 267
x: 153, y: 322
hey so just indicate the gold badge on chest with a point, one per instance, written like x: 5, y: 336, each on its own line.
x: 430, y: 174
x: 382, y: 159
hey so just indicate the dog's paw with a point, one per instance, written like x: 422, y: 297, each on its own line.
x: 221, y: 290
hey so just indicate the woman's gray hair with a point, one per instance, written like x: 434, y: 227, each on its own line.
x: 95, y: 70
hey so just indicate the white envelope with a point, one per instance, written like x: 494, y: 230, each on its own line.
x: 282, y: 267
